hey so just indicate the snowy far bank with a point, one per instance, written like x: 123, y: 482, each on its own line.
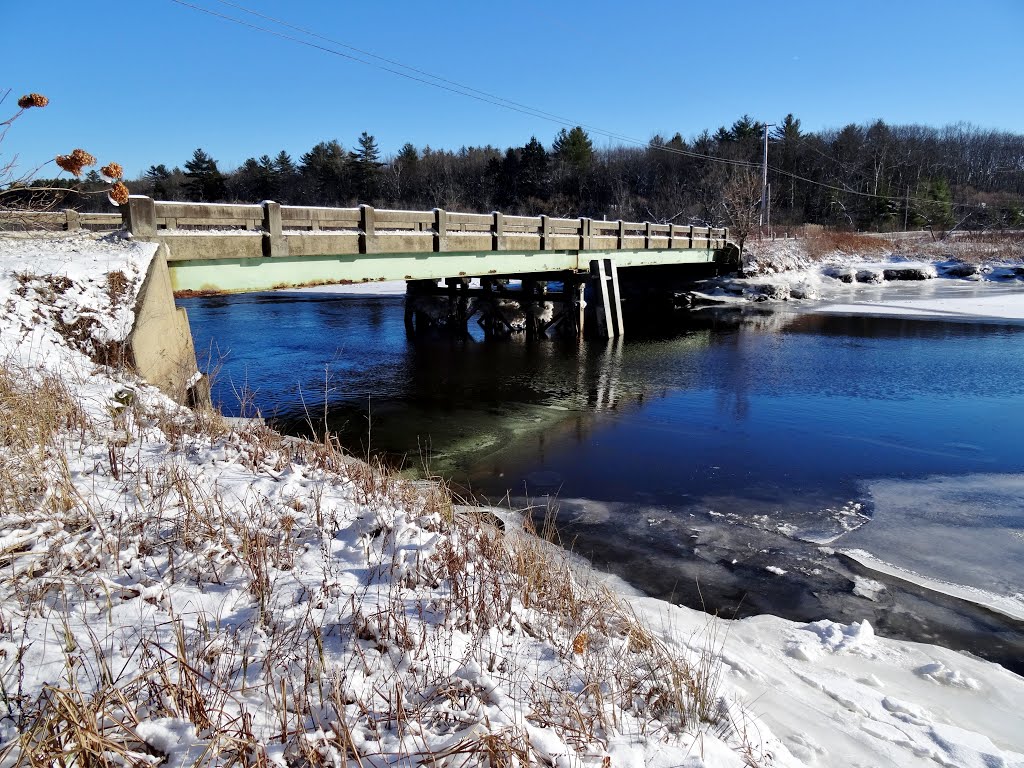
x: 176, y: 592
x: 913, y: 278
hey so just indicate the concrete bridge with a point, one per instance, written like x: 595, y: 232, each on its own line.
x: 530, y: 263
x: 215, y: 248
x: 232, y: 248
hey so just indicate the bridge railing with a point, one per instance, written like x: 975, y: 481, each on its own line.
x: 289, y: 230
x: 203, y: 216
x: 59, y: 220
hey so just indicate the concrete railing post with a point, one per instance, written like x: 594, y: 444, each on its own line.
x: 274, y: 243
x: 545, y: 233
x: 622, y: 235
x: 585, y: 231
x: 498, y: 231
x: 72, y: 221
x: 647, y: 236
x: 139, y: 216
x: 440, y: 230
x: 689, y: 237
x: 367, y: 224
x: 671, y: 236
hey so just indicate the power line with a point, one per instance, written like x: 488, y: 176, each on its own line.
x: 435, y: 80
x: 426, y: 78
x: 392, y: 62
x: 417, y: 75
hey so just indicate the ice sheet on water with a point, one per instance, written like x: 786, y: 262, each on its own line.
x: 965, y: 529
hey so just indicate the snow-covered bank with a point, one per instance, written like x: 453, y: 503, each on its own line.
x: 875, y: 280
x: 999, y: 306
x: 212, y: 595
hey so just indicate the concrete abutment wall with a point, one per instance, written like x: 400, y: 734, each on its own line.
x: 160, y: 343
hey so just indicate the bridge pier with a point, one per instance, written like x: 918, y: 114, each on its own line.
x: 533, y: 309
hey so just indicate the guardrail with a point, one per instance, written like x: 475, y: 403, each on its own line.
x: 287, y: 230
x: 59, y: 220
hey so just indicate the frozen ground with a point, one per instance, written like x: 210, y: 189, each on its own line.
x: 853, y: 284
x: 175, y: 593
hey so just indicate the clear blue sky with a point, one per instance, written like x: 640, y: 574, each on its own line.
x: 148, y: 81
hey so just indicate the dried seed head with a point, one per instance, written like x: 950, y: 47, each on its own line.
x: 76, y: 161
x: 118, y: 194
x: 33, y: 100
x: 113, y: 171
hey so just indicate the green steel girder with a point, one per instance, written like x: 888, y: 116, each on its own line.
x: 242, y: 275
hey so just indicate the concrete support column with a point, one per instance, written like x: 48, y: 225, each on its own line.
x: 274, y: 243
x: 140, y: 217
x: 545, y: 233
x: 647, y: 236
x: 622, y: 234
x: 72, y: 221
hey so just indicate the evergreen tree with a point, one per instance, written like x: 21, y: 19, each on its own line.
x: 405, y: 169
x: 574, y: 148
x: 204, y: 181
x: 285, y: 175
x: 245, y: 182
x: 266, y: 179
x: 787, y: 138
x: 324, y: 171
x: 746, y: 128
x: 533, y: 171
x: 284, y: 166
x: 408, y: 158
x: 367, y: 168
x: 934, y: 206
x: 160, y: 178
x: 507, y: 193
x: 723, y: 136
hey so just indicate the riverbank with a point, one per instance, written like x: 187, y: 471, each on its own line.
x: 846, y: 273
x: 176, y: 590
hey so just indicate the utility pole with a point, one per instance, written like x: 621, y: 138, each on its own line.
x: 764, y: 177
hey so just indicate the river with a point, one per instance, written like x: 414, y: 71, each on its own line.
x: 726, y: 458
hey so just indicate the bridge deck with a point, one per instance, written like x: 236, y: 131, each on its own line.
x: 231, y: 248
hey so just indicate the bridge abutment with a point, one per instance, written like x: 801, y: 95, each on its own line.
x: 160, y: 344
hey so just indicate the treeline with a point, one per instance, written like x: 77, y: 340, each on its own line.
x: 869, y: 177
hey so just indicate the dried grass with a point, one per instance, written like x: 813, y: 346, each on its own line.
x: 820, y: 243
x: 968, y: 247
x: 424, y: 619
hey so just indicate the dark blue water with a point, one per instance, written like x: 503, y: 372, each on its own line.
x: 769, y: 403
x: 699, y: 451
